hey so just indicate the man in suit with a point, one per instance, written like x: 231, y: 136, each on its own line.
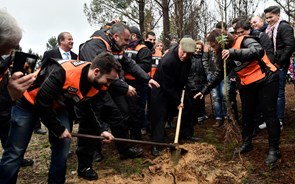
x: 65, y: 44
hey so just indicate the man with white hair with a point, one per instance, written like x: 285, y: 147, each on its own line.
x: 258, y: 23
x: 172, y: 73
x: 10, y: 88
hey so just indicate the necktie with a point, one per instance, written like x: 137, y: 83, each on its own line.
x: 67, y: 55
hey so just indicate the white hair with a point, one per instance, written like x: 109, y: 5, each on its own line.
x: 10, y: 32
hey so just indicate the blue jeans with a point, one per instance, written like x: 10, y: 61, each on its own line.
x: 281, y: 96
x: 219, y: 101
x: 23, y: 121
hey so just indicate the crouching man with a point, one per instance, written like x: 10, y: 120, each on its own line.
x: 59, y: 85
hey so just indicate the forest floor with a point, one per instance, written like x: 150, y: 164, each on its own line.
x: 207, y: 161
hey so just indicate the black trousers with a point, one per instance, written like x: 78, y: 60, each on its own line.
x: 193, y: 108
x: 265, y: 96
x: 161, y: 106
x: 105, y: 110
x: 136, y: 107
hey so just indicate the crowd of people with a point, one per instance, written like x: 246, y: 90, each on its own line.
x: 123, y: 84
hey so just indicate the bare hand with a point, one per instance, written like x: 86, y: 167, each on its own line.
x: 65, y: 134
x: 152, y: 83
x: 108, y: 137
x: 199, y: 95
x: 131, y: 91
x: 180, y: 106
x: 225, y: 54
x: 18, y: 84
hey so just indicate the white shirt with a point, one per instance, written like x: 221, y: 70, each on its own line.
x: 63, y: 55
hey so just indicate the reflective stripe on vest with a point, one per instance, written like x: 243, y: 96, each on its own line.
x: 130, y: 52
x: 157, y: 56
x: 117, y: 55
x: 251, y: 71
x: 71, y: 87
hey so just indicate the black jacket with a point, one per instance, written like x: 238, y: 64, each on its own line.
x: 250, y: 50
x: 143, y: 58
x: 5, y: 100
x: 266, y: 43
x: 55, y: 53
x: 285, y: 44
x: 92, y: 47
x: 172, y: 74
x: 51, y: 91
x: 197, y: 77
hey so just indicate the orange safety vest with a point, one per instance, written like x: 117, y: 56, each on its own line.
x: 71, y: 87
x: 117, y: 55
x: 130, y: 52
x: 157, y: 56
x: 251, y: 71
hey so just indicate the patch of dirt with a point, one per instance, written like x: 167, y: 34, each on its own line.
x: 198, y: 165
x: 205, y: 162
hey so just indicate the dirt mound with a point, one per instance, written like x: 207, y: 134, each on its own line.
x: 198, y: 165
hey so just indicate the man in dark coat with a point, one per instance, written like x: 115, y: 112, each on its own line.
x: 172, y: 73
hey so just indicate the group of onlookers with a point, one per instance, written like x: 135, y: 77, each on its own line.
x: 127, y: 83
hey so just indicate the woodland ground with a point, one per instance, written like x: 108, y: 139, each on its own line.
x: 208, y: 161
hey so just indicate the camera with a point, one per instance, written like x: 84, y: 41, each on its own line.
x: 24, y: 62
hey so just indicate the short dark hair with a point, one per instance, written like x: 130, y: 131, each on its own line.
x: 243, y: 23
x: 149, y: 33
x: 105, y: 61
x: 220, y: 24
x: 235, y: 20
x: 272, y: 9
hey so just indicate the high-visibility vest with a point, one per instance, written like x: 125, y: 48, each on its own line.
x: 157, y: 56
x: 71, y: 87
x: 117, y: 55
x: 251, y: 71
x: 131, y: 52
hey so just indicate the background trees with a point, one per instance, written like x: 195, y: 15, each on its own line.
x: 52, y: 43
x: 176, y: 18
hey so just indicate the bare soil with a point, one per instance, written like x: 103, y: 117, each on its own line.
x: 208, y: 161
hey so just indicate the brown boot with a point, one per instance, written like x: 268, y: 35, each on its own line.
x: 218, y: 123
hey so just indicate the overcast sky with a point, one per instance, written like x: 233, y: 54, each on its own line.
x: 40, y: 20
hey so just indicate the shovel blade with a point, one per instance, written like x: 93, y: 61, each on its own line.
x: 176, y: 155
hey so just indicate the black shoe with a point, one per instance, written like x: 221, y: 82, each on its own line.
x: 40, y: 131
x: 88, y: 174
x: 155, y: 151
x: 245, y: 148
x: 272, y: 157
x: 26, y: 162
x: 132, y: 152
x: 98, y: 156
x: 191, y: 138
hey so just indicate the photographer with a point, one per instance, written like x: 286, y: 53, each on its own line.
x: 11, y: 88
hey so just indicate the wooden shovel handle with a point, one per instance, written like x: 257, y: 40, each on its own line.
x: 179, y: 119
